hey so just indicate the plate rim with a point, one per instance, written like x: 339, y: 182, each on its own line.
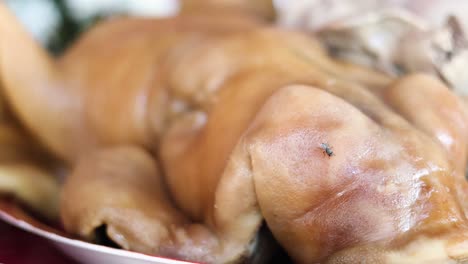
x: 23, y: 225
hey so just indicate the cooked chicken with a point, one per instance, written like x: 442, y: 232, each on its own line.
x: 186, y: 134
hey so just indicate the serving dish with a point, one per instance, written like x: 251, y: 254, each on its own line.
x: 78, y: 250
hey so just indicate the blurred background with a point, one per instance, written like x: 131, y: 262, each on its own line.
x: 56, y: 23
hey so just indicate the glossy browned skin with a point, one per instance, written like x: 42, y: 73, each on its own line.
x: 444, y: 119
x: 230, y: 116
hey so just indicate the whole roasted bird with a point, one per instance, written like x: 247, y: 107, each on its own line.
x: 185, y: 134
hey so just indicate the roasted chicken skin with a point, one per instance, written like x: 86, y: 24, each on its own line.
x: 185, y: 134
